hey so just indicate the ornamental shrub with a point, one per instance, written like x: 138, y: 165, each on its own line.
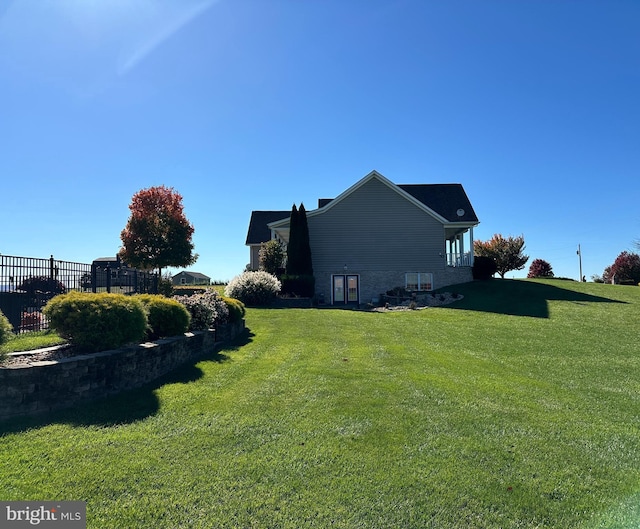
x: 97, y: 322
x: 483, y: 267
x: 167, y: 317
x: 207, y: 309
x: 236, y: 308
x: 254, y: 288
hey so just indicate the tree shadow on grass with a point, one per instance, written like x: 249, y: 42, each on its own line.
x: 518, y: 297
x: 131, y: 405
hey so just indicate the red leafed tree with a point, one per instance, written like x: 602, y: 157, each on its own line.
x: 506, y: 252
x: 626, y: 268
x: 540, y: 268
x: 157, y: 233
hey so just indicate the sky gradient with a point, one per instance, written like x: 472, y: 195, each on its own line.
x: 244, y: 105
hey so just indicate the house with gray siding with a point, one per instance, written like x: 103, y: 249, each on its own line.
x: 190, y: 278
x: 378, y: 235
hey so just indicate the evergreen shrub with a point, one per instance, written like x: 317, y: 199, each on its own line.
x: 298, y: 285
x: 236, y: 308
x: 254, y: 288
x: 483, y: 267
x: 167, y: 317
x: 97, y: 322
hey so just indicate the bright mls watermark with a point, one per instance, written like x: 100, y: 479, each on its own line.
x: 46, y: 514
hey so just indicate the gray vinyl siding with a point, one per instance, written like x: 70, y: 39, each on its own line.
x: 375, y: 229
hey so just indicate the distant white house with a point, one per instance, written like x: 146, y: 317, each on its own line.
x: 190, y: 278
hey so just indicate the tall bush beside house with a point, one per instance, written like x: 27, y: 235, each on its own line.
x: 207, y: 309
x: 271, y: 256
x: 97, y: 322
x: 254, y: 288
x: 298, y: 279
x: 167, y: 317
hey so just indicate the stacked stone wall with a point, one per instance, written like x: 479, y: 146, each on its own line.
x: 47, y: 385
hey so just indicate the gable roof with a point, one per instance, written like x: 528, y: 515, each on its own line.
x: 259, y: 231
x: 444, y: 199
x: 197, y: 275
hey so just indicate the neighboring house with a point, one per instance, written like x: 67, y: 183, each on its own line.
x: 190, y: 278
x: 378, y: 235
x: 118, y: 271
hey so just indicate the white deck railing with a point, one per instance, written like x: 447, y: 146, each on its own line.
x: 459, y: 259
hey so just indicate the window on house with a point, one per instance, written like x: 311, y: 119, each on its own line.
x: 183, y: 280
x: 418, y: 281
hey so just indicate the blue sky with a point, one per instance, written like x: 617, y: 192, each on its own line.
x: 532, y: 105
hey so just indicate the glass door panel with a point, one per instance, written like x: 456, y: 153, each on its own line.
x: 338, y: 289
x: 352, y: 289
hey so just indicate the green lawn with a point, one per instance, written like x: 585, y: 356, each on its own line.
x: 517, y: 407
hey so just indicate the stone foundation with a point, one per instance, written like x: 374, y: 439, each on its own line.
x: 48, y: 385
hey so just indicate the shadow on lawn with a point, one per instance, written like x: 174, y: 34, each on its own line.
x: 519, y: 298
x: 129, y: 406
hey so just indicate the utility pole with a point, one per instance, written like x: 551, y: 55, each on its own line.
x: 579, y: 252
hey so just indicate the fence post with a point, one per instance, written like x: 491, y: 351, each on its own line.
x: 51, y: 269
x: 94, y: 277
x: 108, y: 279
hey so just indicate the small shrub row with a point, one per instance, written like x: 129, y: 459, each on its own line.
x: 97, y: 322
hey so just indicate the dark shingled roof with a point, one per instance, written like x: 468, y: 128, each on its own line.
x: 197, y: 275
x: 444, y: 199
x: 258, y: 230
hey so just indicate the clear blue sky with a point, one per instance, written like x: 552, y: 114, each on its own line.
x: 532, y: 105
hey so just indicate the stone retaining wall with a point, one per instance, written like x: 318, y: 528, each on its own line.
x: 49, y: 385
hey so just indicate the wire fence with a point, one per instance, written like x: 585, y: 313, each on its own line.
x: 28, y: 283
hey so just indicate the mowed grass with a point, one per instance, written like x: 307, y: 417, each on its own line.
x: 517, y: 407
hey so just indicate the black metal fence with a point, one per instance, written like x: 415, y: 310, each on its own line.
x: 27, y: 284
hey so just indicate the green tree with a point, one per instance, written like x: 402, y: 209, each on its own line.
x: 157, y: 233
x: 293, y: 246
x: 299, y: 278
x: 271, y: 256
x: 506, y: 252
x: 306, y: 264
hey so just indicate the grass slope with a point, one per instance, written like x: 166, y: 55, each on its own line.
x: 515, y: 407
